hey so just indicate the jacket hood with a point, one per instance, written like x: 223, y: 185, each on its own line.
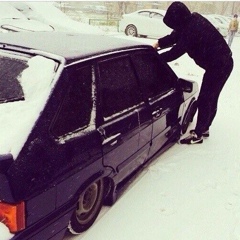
x: 177, y: 15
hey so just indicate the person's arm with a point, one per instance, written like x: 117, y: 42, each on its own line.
x: 166, y: 41
x: 175, y: 52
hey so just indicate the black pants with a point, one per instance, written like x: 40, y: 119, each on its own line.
x: 213, y: 81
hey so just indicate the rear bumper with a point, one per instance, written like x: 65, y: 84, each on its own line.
x: 47, y: 229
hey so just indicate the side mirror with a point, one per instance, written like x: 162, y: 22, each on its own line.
x: 186, y: 85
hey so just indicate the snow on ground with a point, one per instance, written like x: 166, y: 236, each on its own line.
x: 189, y: 192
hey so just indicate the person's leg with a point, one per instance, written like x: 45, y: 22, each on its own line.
x: 230, y: 38
x: 213, y: 82
x: 222, y: 78
x: 233, y: 35
x: 204, y: 104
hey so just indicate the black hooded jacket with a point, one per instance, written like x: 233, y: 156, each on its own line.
x: 195, y: 35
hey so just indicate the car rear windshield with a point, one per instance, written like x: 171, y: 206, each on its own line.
x: 26, y: 83
x: 10, y: 87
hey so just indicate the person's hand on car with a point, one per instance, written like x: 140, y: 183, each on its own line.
x: 155, y: 45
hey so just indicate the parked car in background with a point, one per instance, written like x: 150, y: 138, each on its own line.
x: 144, y: 23
x: 47, y: 13
x: 218, y: 23
x: 223, y: 19
x: 11, y: 20
x: 77, y: 121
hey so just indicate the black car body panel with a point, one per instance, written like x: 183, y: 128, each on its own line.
x: 113, y: 106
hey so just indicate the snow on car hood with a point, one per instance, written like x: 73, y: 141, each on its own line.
x: 18, y: 118
x: 24, y: 25
x: 47, y: 13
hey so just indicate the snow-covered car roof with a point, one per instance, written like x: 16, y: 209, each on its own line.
x: 72, y: 47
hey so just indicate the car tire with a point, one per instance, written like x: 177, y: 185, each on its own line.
x: 189, y: 115
x: 143, y: 36
x: 87, y: 208
x: 131, y: 30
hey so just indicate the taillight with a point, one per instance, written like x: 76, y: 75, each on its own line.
x: 13, y: 216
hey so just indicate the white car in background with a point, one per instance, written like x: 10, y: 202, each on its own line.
x: 11, y: 20
x: 223, y: 19
x: 144, y: 23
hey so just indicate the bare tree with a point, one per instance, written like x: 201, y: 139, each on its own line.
x: 122, y: 7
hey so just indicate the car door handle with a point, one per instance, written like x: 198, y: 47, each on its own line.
x: 157, y: 113
x: 113, y: 139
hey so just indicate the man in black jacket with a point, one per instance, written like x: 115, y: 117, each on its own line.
x: 196, y: 36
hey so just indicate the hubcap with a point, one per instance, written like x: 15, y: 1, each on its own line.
x: 131, y: 31
x: 86, y: 203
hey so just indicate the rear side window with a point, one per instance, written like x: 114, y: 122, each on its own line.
x: 156, y: 15
x: 144, y: 13
x: 119, y: 86
x: 75, y: 110
x: 155, y: 78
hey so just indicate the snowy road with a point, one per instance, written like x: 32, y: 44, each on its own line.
x: 189, y: 192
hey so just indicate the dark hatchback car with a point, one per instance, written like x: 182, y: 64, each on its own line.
x: 79, y: 115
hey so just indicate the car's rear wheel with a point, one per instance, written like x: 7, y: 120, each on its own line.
x: 87, y: 208
x: 131, y: 30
